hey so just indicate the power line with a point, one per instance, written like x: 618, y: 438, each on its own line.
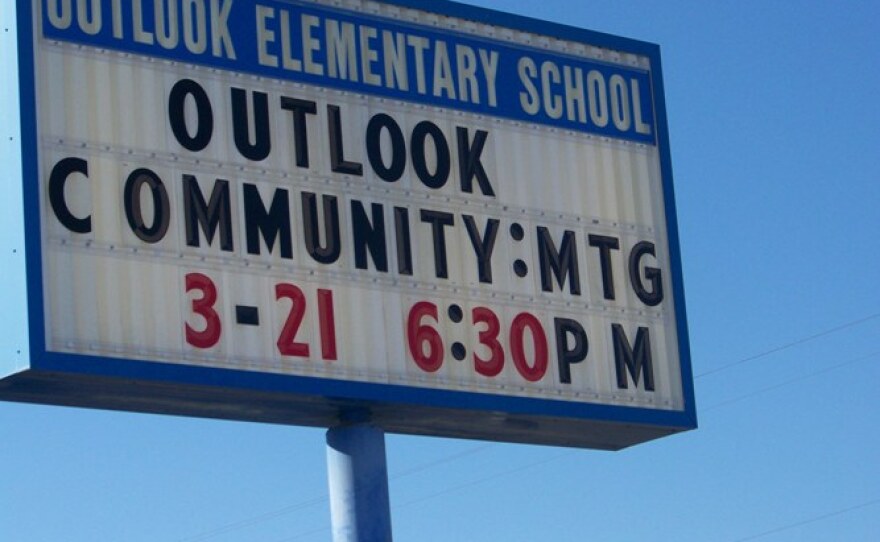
x: 484, y: 479
x: 272, y: 514
x: 790, y: 345
x: 304, y: 534
x: 808, y: 521
x: 789, y: 382
x: 449, y: 490
x: 255, y: 520
x: 447, y: 459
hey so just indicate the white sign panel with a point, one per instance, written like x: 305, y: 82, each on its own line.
x: 367, y: 203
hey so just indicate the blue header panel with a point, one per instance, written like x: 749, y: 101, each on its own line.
x: 322, y: 46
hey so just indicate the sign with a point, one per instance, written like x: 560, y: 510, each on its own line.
x: 453, y: 221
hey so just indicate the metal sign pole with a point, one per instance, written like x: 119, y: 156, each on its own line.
x: 358, y: 479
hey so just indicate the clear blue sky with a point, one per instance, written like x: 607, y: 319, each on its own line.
x: 775, y: 127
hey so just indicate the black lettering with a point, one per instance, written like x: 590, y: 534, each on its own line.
x: 161, y: 206
x: 57, y: 179
x: 369, y: 234
x: 211, y: 216
x: 469, y: 164
x: 420, y: 136
x: 259, y: 149
x: 605, y: 245
x: 272, y: 224
x: 404, y: 246
x: 655, y: 295
x: 439, y: 220
x: 329, y: 252
x: 484, y: 246
x: 636, y: 360
x: 565, y: 355
x: 177, y: 115
x: 299, y: 109
x: 563, y: 263
x: 374, y: 148
x: 338, y: 163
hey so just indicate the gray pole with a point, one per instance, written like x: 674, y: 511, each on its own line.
x: 358, y: 478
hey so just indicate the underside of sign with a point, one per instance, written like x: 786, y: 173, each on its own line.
x: 248, y: 400
x: 447, y: 220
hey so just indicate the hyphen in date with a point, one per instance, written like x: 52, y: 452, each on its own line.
x: 427, y: 348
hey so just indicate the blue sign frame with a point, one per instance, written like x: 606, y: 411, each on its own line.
x: 131, y: 385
